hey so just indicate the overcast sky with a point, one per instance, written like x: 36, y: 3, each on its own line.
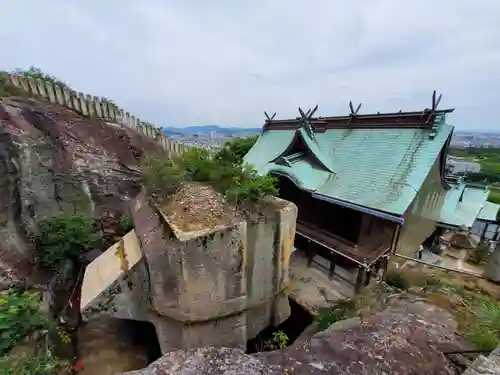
x: 176, y: 63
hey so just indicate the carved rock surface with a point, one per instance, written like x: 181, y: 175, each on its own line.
x: 53, y: 160
x: 406, y: 339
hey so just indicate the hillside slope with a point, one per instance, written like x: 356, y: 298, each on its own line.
x: 53, y: 160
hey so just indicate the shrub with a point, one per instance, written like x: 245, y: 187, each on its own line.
x: 494, y: 196
x: 45, y: 364
x: 484, y: 331
x: 109, y: 102
x: 37, y: 73
x: 19, y: 316
x: 479, y: 254
x: 224, y: 171
x: 430, y: 281
x: 396, y: 279
x: 66, y: 237
x: 279, y: 340
x: 163, y: 177
x: 125, y: 223
x: 7, y: 89
x: 341, y: 310
x: 235, y: 149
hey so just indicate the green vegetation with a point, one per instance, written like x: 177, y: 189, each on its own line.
x: 342, y: 309
x: 278, y: 340
x: 494, y: 196
x: 42, y: 364
x: 472, y: 301
x: 66, y: 237
x: 36, y: 73
x: 6, y: 89
x: 484, y: 331
x: 488, y: 158
x: 236, y: 149
x: 24, y: 336
x: 125, y: 223
x: 224, y: 171
x: 480, y: 254
x: 397, y: 280
x: 19, y: 317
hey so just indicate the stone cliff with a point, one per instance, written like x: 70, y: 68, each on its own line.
x: 53, y: 160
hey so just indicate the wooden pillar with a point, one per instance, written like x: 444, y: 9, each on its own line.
x: 360, y: 280
x: 310, y: 253
x: 484, y: 231
x: 384, y: 264
x: 368, y: 275
x: 332, y: 267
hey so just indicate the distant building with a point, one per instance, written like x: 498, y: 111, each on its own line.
x: 457, y: 165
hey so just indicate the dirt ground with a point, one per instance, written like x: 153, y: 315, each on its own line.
x: 311, y: 287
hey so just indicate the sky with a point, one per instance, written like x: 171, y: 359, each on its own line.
x: 192, y: 62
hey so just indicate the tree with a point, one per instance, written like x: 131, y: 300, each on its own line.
x: 235, y: 150
x: 225, y: 171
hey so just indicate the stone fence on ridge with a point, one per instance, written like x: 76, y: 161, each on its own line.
x: 91, y: 106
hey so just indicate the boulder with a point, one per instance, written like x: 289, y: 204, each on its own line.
x: 53, y: 160
x: 461, y: 240
x: 408, y: 338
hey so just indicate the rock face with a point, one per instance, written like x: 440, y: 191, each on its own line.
x: 53, y: 160
x: 407, y: 339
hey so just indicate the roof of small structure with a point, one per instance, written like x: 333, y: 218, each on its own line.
x: 489, y: 211
x: 463, y: 203
x: 376, y: 161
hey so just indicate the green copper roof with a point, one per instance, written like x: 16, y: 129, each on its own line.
x: 462, y: 205
x: 489, y: 212
x: 379, y: 168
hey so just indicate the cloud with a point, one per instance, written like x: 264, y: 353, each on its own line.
x: 198, y: 62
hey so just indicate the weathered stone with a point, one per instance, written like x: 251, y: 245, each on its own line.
x: 406, y: 339
x: 486, y: 365
x: 53, y: 160
x: 201, y: 272
x: 213, y: 361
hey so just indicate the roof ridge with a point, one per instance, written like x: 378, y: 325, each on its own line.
x: 429, y: 118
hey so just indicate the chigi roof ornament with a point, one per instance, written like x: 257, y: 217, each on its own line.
x: 305, y: 121
x: 430, y: 113
x: 429, y: 118
x: 353, y: 113
x: 269, y: 118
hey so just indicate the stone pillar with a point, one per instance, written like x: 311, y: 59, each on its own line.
x: 219, y: 285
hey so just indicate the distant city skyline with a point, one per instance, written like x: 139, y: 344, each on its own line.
x: 457, y: 130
